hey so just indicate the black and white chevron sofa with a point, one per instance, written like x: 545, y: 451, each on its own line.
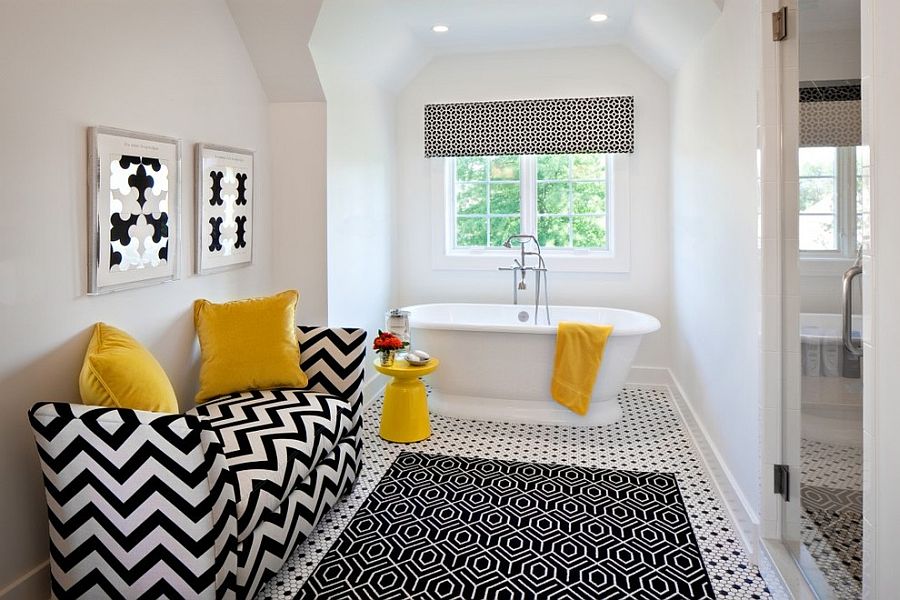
x: 206, y: 504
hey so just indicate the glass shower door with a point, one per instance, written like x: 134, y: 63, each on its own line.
x: 823, y: 426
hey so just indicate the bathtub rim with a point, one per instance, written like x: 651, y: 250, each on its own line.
x: 653, y: 324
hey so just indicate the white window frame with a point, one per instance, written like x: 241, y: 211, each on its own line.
x: 616, y: 259
x: 827, y: 263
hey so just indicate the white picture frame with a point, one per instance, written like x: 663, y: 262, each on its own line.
x: 134, y: 204
x: 225, y: 201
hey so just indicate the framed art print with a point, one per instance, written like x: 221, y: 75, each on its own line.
x: 134, y: 181
x: 225, y: 182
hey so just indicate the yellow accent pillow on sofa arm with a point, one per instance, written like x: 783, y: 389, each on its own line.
x: 118, y: 372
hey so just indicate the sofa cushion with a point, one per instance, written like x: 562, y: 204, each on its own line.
x: 119, y: 372
x: 272, y: 439
x: 248, y: 345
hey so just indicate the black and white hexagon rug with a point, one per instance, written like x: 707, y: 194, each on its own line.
x: 650, y: 437
x: 440, y: 526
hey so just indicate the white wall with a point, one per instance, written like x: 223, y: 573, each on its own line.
x: 360, y: 205
x: 574, y: 72
x: 881, y: 417
x: 63, y: 67
x: 297, y: 140
x: 828, y: 55
x: 362, y: 55
x: 823, y: 292
x: 715, y: 257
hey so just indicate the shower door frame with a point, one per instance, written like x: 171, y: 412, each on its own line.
x: 778, y: 144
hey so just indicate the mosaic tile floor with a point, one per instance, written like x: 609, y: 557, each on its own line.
x: 831, y: 521
x: 650, y: 437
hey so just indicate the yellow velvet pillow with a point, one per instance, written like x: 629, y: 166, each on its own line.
x: 248, y: 345
x: 119, y: 372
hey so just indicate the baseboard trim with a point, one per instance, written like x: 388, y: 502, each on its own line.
x: 783, y: 577
x: 373, y: 388
x: 742, y: 514
x: 33, y: 584
x: 650, y: 376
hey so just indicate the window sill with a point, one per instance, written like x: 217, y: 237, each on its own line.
x: 819, y: 266
x: 560, y: 262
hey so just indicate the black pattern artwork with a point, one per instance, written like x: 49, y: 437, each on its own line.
x: 134, y: 200
x: 241, y: 189
x: 225, y: 207
x: 561, y: 126
x: 138, y: 221
x: 215, y: 224
x: 241, y: 223
x: 453, y: 527
x: 216, y: 188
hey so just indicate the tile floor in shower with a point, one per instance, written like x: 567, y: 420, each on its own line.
x: 831, y: 520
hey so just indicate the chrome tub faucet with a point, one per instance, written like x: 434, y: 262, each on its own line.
x: 520, y: 269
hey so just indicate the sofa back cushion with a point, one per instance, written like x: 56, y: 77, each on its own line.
x: 118, y: 372
x: 272, y: 440
x: 248, y: 345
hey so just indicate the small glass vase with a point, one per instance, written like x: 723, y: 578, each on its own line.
x: 387, y: 358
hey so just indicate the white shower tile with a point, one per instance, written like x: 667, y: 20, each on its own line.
x: 769, y: 210
x: 791, y: 320
x: 792, y: 392
x: 869, y: 408
x: 771, y: 285
x: 792, y: 436
x: 791, y: 210
x: 772, y: 450
x: 771, y: 376
x: 771, y: 332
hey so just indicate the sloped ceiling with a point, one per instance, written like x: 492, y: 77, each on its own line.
x: 387, y: 41
x: 664, y: 33
x: 276, y: 34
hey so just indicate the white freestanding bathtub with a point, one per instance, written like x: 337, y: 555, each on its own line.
x: 496, y: 364
x: 831, y: 384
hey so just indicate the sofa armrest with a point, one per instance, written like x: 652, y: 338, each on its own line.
x: 333, y: 359
x: 139, y: 503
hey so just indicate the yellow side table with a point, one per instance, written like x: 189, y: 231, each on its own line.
x: 404, y: 415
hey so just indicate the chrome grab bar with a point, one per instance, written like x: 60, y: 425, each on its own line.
x: 847, y: 309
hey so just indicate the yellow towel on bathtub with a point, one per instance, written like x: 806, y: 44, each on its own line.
x: 579, y: 351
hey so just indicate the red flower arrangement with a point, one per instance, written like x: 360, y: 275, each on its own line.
x: 387, y: 341
x: 385, y: 345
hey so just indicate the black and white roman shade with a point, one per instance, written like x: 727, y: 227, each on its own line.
x: 512, y: 127
x: 830, y: 114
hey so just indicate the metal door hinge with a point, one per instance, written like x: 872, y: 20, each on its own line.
x: 780, y: 24
x: 783, y: 481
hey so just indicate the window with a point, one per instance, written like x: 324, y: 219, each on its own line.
x: 560, y: 198
x: 571, y: 201
x: 834, y: 216
x: 577, y: 205
x: 487, y: 202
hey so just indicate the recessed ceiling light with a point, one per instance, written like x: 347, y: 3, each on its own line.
x: 598, y: 18
x: 440, y: 29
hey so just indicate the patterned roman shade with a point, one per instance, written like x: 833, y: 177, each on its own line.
x: 514, y: 127
x: 830, y: 114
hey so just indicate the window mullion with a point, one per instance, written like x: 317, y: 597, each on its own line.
x: 528, y: 195
x: 571, y: 208
x: 451, y: 211
x: 846, y: 184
